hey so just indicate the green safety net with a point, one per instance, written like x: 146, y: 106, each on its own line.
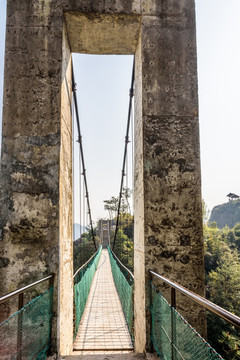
x: 27, y: 333
x: 173, y: 337
x: 82, y: 284
x: 125, y: 287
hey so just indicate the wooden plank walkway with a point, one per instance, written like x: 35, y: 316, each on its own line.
x: 103, y: 325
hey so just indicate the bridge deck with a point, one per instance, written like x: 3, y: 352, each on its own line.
x: 103, y: 325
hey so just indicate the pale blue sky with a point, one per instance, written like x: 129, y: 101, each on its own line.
x: 103, y: 103
x: 103, y: 84
x: 218, y: 31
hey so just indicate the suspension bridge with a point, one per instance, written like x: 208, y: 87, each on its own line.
x: 103, y: 298
x: 104, y: 307
x: 104, y: 317
x: 103, y: 325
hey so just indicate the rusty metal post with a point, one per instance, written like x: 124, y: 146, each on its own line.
x: 19, y: 327
x: 150, y: 312
x: 51, y: 282
x: 132, y: 304
x: 173, y: 323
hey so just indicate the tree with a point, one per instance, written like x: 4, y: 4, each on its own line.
x: 205, y: 212
x: 124, y: 240
x: 126, y: 194
x: 215, y: 245
x: 236, y: 231
x: 223, y: 283
x: 84, y: 248
x: 111, y: 206
x: 124, y: 248
x: 222, y: 270
x: 224, y: 290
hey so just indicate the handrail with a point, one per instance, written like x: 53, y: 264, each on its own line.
x: 84, y: 265
x: 224, y: 314
x: 25, y: 288
x: 20, y: 293
x: 125, y: 268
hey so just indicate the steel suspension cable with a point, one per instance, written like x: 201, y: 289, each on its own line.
x: 73, y: 173
x: 81, y: 257
x: 126, y: 207
x: 84, y: 207
x: 80, y: 193
x: 82, y: 157
x: 132, y: 159
x: 131, y: 93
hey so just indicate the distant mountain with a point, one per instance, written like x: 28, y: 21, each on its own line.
x: 78, y: 230
x: 226, y: 214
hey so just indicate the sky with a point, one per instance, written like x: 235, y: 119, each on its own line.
x: 103, y: 100
x: 103, y: 92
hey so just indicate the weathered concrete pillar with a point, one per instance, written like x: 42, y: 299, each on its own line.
x: 36, y: 167
x: 168, y: 223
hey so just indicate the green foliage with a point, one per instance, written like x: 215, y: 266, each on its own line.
x: 231, y: 345
x: 222, y: 268
x: 231, y: 237
x: 111, y: 206
x: 123, y: 246
x: 213, y: 225
x: 124, y: 241
x: 172, y: 336
x: 124, y: 249
x: 83, y: 249
x: 124, y: 285
x: 205, y: 212
x: 223, y: 337
x: 223, y: 283
x: 126, y: 194
x: 236, y: 231
x: 35, y: 329
x: 215, y: 245
x: 82, y: 283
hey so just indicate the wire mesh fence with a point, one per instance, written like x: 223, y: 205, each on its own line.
x: 125, y: 287
x: 173, y: 337
x: 82, y: 284
x: 27, y: 333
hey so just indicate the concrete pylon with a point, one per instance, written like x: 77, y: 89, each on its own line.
x: 36, y: 165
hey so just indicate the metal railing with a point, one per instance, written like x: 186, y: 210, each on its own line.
x: 84, y: 266
x: 82, y: 280
x: 128, y: 274
x: 20, y: 293
x: 174, y: 323
x: 222, y: 313
x: 124, y: 282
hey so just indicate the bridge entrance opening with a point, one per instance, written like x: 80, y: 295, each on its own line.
x: 102, y: 220
x: 102, y: 89
x: 101, y: 35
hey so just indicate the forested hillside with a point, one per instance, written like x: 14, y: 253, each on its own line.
x: 222, y: 270
x: 226, y: 214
